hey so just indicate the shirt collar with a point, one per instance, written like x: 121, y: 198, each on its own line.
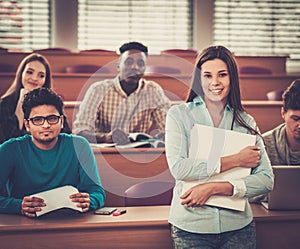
x: 198, y: 101
x: 119, y: 89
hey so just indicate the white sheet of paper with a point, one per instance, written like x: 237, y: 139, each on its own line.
x: 210, y: 142
x: 58, y: 198
x: 103, y: 145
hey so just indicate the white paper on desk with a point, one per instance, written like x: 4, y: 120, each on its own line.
x: 103, y: 145
x: 57, y: 198
x: 210, y: 143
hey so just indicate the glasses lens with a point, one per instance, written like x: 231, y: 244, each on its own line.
x: 53, y: 119
x: 38, y: 120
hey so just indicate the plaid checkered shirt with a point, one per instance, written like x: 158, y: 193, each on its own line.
x: 107, y: 107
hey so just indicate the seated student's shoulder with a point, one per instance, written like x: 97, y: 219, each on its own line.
x: 267, y: 134
x: 180, y: 109
x: 6, y: 100
x: 148, y: 84
x: 274, y: 133
x: 102, y: 85
x: 248, y: 118
x: 6, y: 107
x: 76, y: 140
x: 13, y: 144
x: 155, y: 89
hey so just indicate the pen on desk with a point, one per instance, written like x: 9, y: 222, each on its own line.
x: 119, y: 212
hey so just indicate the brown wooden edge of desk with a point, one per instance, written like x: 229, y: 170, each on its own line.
x: 261, y: 214
x: 114, y: 150
x: 73, y: 226
x: 90, y: 220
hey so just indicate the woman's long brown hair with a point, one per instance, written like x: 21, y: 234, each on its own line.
x: 234, y: 97
x: 14, y: 89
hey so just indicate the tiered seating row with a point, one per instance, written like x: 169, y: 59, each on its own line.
x: 176, y: 83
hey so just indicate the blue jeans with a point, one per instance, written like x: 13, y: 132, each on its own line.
x: 244, y: 238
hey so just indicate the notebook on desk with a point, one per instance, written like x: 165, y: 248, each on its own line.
x: 285, y: 195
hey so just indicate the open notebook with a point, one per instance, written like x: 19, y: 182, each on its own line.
x: 285, y: 194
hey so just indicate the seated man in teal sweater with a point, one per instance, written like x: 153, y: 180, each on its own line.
x: 46, y: 160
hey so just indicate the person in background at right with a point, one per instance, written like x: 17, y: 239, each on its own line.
x: 283, y: 142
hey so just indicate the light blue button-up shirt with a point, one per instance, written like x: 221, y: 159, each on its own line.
x: 207, y: 219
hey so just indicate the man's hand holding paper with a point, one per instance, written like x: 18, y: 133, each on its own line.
x: 61, y: 197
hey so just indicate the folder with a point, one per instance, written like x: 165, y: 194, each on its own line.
x: 209, y: 144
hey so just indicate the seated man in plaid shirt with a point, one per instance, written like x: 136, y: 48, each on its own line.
x: 113, y: 108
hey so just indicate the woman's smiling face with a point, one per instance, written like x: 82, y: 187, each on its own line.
x: 215, y: 81
x: 34, y: 75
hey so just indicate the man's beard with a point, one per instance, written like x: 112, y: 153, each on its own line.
x: 45, y: 141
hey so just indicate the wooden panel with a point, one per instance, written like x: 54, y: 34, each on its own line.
x: 95, y: 238
x: 266, y: 113
x: 6, y: 80
x: 256, y: 87
x: 121, y: 168
x: 73, y: 86
x: 277, y: 64
x: 59, y: 61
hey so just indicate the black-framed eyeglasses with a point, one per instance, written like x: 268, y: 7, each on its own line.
x: 39, y: 120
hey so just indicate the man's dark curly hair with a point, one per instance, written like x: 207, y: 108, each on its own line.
x: 133, y: 46
x: 291, y: 96
x: 41, y: 96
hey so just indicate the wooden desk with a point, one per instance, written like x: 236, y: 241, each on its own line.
x: 121, y: 168
x: 276, y: 229
x: 140, y: 227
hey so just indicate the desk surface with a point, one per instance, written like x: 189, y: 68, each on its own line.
x: 135, y: 216
x: 140, y: 227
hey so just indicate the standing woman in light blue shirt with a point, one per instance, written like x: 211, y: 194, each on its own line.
x: 214, y: 100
